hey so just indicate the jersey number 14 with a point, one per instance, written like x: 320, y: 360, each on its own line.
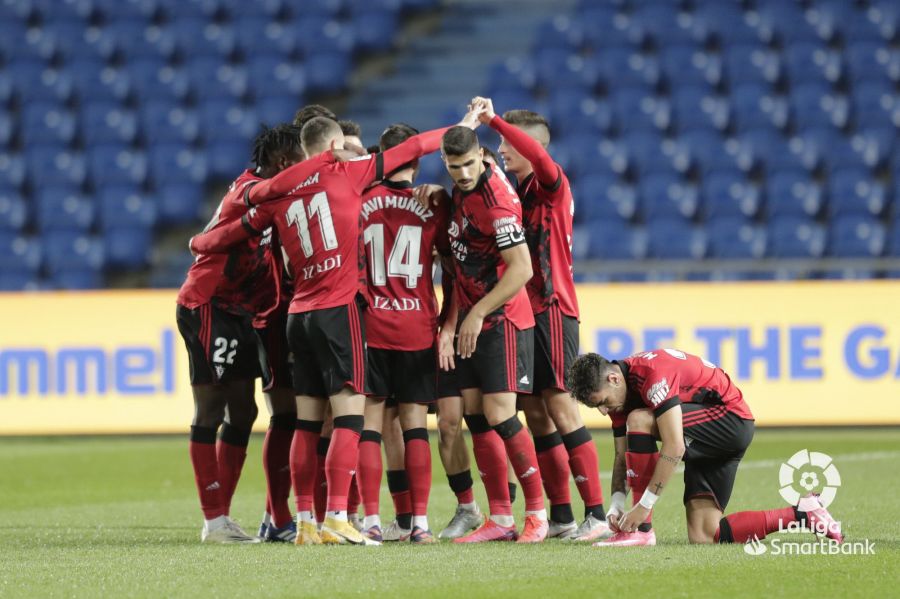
x: 403, y: 260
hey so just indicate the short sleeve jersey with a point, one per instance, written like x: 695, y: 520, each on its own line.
x: 660, y: 379
x: 246, y: 279
x: 318, y: 224
x: 399, y: 236
x: 548, y: 213
x: 484, y: 222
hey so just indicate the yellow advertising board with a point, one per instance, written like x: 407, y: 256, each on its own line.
x: 823, y: 353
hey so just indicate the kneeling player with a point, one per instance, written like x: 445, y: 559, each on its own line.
x: 701, y: 417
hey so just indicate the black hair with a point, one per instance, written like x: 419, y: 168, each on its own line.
x: 526, y: 118
x: 273, y: 143
x: 587, y: 375
x: 458, y: 141
x: 350, y: 128
x: 395, y: 135
x: 374, y: 149
x: 311, y: 111
x: 316, y: 130
x: 489, y: 153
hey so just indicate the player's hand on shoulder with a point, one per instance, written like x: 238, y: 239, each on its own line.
x: 429, y: 194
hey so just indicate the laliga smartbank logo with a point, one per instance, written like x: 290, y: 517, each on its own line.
x: 809, y: 481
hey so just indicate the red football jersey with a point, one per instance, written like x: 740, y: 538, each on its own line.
x: 399, y: 236
x: 318, y: 221
x: 662, y: 378
x: 246, y: 280
x: 484, y: 222
x: 547, y: 210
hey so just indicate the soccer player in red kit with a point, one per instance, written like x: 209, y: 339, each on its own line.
x: 561, y: 439
x: 495, y: 342
x: 315, y: 207
x: 401, y: 324
x: 701, y: 417
x: 221, y: 300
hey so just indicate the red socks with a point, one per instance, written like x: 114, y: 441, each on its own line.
x: 368, y: 472
x: 490, y: 456
x: 640, y: 457
x: 342, y: 459
x: 461, y: 485
x: 206, y: 471
x: 398, y: 485
x: 554, y: 464
x: 276, y: 464
x: 303, y: 462
x: 320, y: 487
x: 418, y: 468
x: 231, y: 452
x: 520, y: 449
x: 744, y: 526
x: 585, y: 466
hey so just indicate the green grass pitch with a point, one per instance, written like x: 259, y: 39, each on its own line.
x: 117, y: 517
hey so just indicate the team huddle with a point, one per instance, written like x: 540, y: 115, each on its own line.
x: 315, y: 273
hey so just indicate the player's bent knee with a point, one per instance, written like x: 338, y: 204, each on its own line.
x: 640, y: 421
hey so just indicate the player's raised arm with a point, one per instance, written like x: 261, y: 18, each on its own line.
x: 221, y: 238
x: 530, y: 141
x: 288, y: 179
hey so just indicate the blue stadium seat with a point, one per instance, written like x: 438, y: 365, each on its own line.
x: 792, y: 193
x: 226, y: 158
x: 155, y: 40
x: 20, y: 254
x: 584, y: 154
x: 34, y: 80
x: 179, y: 203
x: 807, y: 62
x: 17, y: 281
x: 886, y: 16
x: 71, y: 251
x: 814, y: 105
x: 824, y: 147
x: 327, y: 72
x: 674, y: 239
x: 95, y: 82
x: 866, y: 61
x: 601, y: 198
x: 570, y: 113
x: 176, y: 10
x: 47, y: 123
x: 639, y: 109
x: 128, y: 37
x: 664, y: 23
x: 13, y: 212
x: 107, y: 122
x: 856, y: 237
x: 12, y: 170
x: 796, y: 238
x: 706, y: 150
x: 760, y: 148
x: 163, y: 121
x: 561, y: 70
x: 644, y: 152
x: 696, y: 108
x: 610, y: 241
x: 512, y: 73
x: 893, y: 242
x: 64, y: 209
x: 152, y: 79
x: 277, y: 109
x: 616, y: 29
x: 213, y: 78
x: 729, y: 194
x: 752, y: 63
x: 875, y: 105
x: 620, y: 67
x: 666, y: 196
x: 55, y: 165
x: 736, y: 238
x: 317, y: 35
x: 780, y: 21
x: 225, y: 120
x: 853, y: 191
x: 373, y: 30
x: 197, y: 36
x: 7, y: 88
x: 126, y: 206
x: 755, y: 106
x: 723, y: 22
x: 117, y: 164
x: 688, y: 64
x: 116, y: 10
x: 128, y: 247
x: 176, y: 162
x: 873, y: 145
x: 260, y: 34
x: 274, y: 75
x: 240, y: 11
x: 561, y: 32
